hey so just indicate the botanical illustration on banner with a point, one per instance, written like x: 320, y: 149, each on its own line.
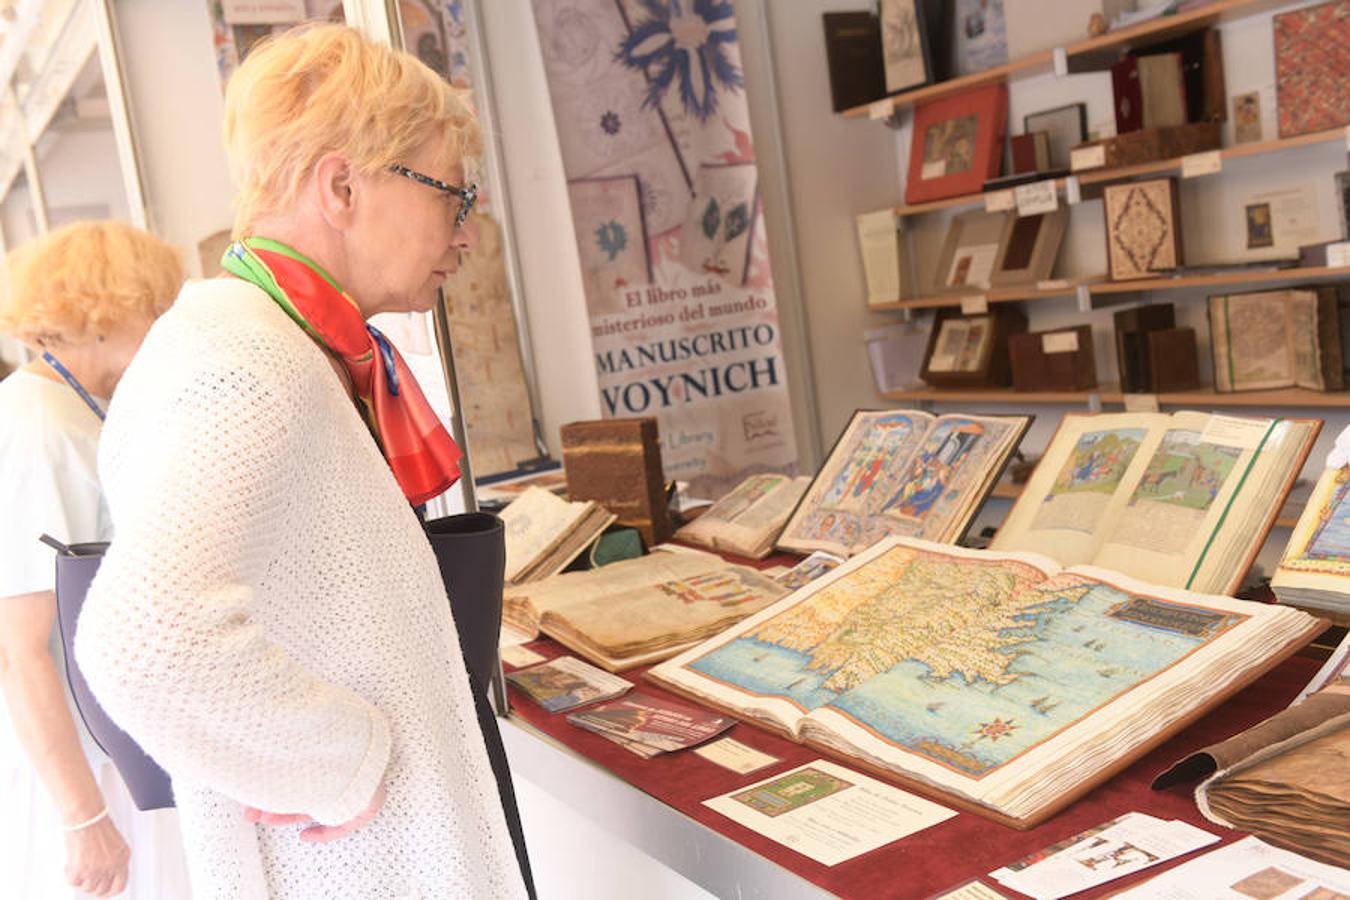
x: 655, y: 136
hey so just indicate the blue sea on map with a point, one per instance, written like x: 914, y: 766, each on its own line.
x: 1074, y: 658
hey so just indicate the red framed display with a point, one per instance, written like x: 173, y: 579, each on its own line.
x: 958, y: 144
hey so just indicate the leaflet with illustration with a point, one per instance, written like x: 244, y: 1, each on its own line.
x: 1184, y: 500
x: 648, y: 725
x: 566, y: 683
x: 1246, y: 870
x: 1000, y: 680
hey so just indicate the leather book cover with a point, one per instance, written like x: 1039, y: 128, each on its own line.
x: 617, y: 463
x: 1059, y: 360
x: 1030, y: 152
x: 1174, y: 362
x: 1329, y: 348
x: 1132, y: 346
x: 1128, y: 95
x: 853, y: 57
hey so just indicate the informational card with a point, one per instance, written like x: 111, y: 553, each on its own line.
x: 567, y: 682
x: 1113, y: 850
x: 971, y: 890
x: 1243, y: 870
x: 654, y: 722
x: 827, y: 812
x: 730, y: 753
x: 518, y: 656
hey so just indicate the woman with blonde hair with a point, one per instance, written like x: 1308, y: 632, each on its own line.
x: 82, y: 297
x: 270, y: 624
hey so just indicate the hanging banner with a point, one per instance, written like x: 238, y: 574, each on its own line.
x: 655, y: 135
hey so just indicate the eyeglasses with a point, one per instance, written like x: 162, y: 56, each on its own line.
x: 468, y: 196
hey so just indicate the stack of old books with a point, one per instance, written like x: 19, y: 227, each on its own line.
x: 544, y: 533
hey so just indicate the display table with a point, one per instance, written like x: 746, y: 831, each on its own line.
x: 729, y: 860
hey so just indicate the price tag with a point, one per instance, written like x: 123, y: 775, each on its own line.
x: 1060, y: 342
x: 1083, y: 297
x: 1073, y: 192
x: 1087, y: 157
x: 1037, y: 197
x: 1338, y: 255
x: 998, y: 201
x: 1061, y: 62
x: 974, y: 305
x: 879, y: 109
x: 1141, y: 403
x: 1194, y: 165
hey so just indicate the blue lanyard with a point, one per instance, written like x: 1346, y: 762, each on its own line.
x: 74, y: 384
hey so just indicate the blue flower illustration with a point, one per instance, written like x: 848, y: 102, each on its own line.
x: 611, y: 238
x: 688, y: 40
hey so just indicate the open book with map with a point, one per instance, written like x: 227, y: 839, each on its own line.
x: 1000, y: 682
x: 747, y: 520
x: 902, y: 472
x: 1184, y: 500
x: 544, y: 533
x: 1315, y: 570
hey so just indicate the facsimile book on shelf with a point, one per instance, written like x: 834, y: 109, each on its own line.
x: 997, y: 682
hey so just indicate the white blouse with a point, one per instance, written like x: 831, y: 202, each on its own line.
x: 271, y: 623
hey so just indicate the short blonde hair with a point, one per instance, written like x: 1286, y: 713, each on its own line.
x: 319, y: 89
x: 86, y: 279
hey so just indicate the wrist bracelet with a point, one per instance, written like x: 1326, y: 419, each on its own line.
x: 85, y: 824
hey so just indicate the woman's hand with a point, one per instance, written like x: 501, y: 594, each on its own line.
x: 318, y: 834
x: 97, y: 858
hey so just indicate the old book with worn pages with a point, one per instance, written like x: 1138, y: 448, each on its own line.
x: 544, y: 533
x: 747, y: 521
x: 1184, y: 500
x: 1267, y: 340
x: 902, y: 471
x: 998, y: 682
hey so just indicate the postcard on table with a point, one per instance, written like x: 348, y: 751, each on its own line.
x: 827, y: 812
x: 730, y: 753
x: 1249, y: 868
x: 1118, y: 848
x: 567, y: 682
x: 665, y: 725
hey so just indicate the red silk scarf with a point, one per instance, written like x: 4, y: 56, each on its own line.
x: 421, y: 453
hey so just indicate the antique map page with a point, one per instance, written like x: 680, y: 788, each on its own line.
x: 994, y: 676
x: 901, y: 472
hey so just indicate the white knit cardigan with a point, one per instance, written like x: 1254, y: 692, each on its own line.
x: 271, y: 625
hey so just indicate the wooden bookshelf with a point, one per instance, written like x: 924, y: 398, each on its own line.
x: 1288, y: 517
x: 1111, y: 394
x: 1086, y: 51
x: 1232, y: 277
x: 1169, y: 166
x: 994, y: 295
x: 1099, y: 286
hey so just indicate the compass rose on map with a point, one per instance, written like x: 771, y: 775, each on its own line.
x: 996, y: 729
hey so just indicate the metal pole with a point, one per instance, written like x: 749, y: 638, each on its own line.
x: 441, y: 318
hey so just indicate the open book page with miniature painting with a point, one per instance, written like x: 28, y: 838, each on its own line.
x: 902, y: 472
x: 999, y: 681
x: 1315, y: 570
x: 544, y: 533
x: 1184, y: 500
x: 747, y: 520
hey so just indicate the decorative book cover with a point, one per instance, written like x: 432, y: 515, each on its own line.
x: 998, y: 682
x: 902, y: 472
x: 1310, y: 68
x: 1143, y: 228
x: 716, y: 236
x: 612, y: 236
x: 1267, y: 340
